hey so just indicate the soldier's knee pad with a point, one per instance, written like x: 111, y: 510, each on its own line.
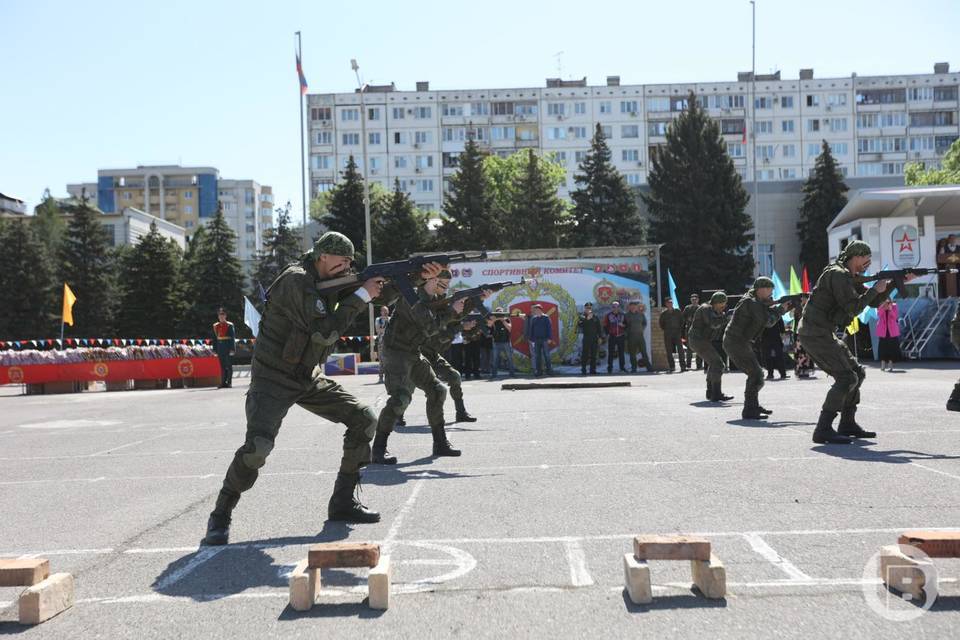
x: 438, y: 393
x: 849, y: 380
x: 366, y: 420
x: 256, y: 454
x: 400, y: 401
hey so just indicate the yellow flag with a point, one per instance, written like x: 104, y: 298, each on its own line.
x: 854, y: 326
x: 68, y: 300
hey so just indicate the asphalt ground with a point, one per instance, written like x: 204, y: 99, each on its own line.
x: 522, y: 536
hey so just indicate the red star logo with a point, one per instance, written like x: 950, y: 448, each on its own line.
x: 905, y: 242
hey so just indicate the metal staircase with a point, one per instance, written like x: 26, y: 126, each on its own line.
x: 915, y: 336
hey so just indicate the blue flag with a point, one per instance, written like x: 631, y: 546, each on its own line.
x: 673, y: 290
x: 251, y: 317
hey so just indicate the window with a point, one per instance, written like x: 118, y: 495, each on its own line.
x: 678, y: 104
x: 375, y: 164
x: 525, y: 109
x: 526, y: 133
x: 786, y: 102
x: 320, y: 113
x: 578, y: 132
x: 425, y: 185
x: 188, y: 208
x: 503, y: 133
x: 813, y: 150
x: 398, y: 113
x: 657, y: 128
x: 556, y: 133
x: 630, y: 131
x: 579, y: 156
x: 251, y: 228
x: 480, y: 133
x: 813, y: 125
x: 503, y: 108
x: 735, y: 149
x: 789, y: 151
x: 401, y: 137
x: 450, y: 160
x: 422, y: 113
x: 606, y: 132
x: 881, y: 145
x: 945, y: 93
x: 633, y: 179
x: 766, y: 151
x: 189, y: 224
x: 765, y: 256
x: 373, y: 113
x: 658, y: 104
x: 347, y: 115
x: 422, y: 137
x: 324, y: 137
x: 454, y: 134
x: 630, y: 155
x: 788, y: 174
x: 942, y: 143
x: 606, y: 107
x: 765, y: 126
x: 628, y: 106
x: 188, y: 194
x: 813, y: 100
x: 733, y: 126
x: 350, y: 139
x: 450, y: 109
x: 479, y: 108
x: 839, y: 148
x: 580, y: 108
x: 836, y: 99
x: 555, y: 109
x: 399, y: 162
x: 892, y: 119
x: 921, y: 143
x: 931, y: 119
x: 425, y: 162
x: 867, y: 120
x: 787, y: 126
x: 838, y: 124
x: 373, y: 138
x: 916, y: 94
x: 320, y: 162
x: 763, y: 102
x: 560, y: 157
x: 766, y: 174
x: 881, y: 96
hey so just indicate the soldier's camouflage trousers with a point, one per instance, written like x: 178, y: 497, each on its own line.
x: 744, y: 357
x: 833, y: 356
x: 402, y: 373
x: 447, y: 374
x: 708, y: 353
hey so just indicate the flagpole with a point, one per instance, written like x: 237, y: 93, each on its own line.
x: 303, y: 168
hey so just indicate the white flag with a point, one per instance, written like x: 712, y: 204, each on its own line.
x: 251, y: 317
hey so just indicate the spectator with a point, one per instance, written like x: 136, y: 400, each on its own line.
x: 613, y: 326
x: 540, y: 334
x: 589, y: 325
x: 771, y: 343
x: 688, y: 312
x: 635, y: 326
x: 226, y: 336
x: 472, y: 337
x: 803, y: 363
x: 888, y: 330
x: 671, y: 323
x: 500, y: 326
x: 456, y: 352
x: 380, y: 325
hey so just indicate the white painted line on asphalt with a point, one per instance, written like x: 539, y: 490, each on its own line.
x: 577, y: 559
x: 943, y: 473
x: 404, y: 510
x: 126, y: 446
x: 204, y: 555
x: 58, y: 552
x: 760, y: 546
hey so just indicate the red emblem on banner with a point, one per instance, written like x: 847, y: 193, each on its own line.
x: 518, y: 325
x: 185, y: 368
x: 100, y: 369
x: 15, y: 374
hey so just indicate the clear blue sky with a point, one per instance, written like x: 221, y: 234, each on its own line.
x: 90, y: 85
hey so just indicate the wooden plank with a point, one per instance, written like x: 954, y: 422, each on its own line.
x: 936, y: 544
x: 653, y: 547
x: 343, y: 554
x: 23, y: 572
x: 46, y: 599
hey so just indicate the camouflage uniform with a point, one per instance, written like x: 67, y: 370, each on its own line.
x: 671, y: 323
x: 636, y: 324
x: 704, y: 327
x: 750, y: 318
x: 688, y: 312
x: 297, y: 332
x: 835, y: 300
x: 953, y: 404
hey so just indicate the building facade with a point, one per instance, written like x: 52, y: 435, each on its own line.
x: 11, y: 207
x: 874, y: 125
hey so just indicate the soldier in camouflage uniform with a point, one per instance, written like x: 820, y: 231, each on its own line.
x: 835, y: 300
x: 953, y: 404
x: 405, y: 368
x: 750, y: 317
x: 707, y: 322
x: 688, y: 312
x: 297, y: 333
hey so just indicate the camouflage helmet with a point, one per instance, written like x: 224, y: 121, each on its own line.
x: 763, y: 282
x: 334, y: 244
x: 718, y: 297
x: 445, y: 275
x: 854, y: 249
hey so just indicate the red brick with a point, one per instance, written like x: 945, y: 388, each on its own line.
x: 671, y: 548
x: 343, y: 554
x: 23, y: 573
x: 936, y: 544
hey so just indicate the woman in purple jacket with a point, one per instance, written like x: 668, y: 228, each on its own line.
x: 888, y: 330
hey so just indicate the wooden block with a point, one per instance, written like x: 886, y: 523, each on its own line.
x: 23, y: 573
x: 343, y: 554
x: 902, y: 573
x: 304, y: 586
x: 636, y: 575
x: 671, y: 548
x: 710, y: 577
x: 378, y: 584
x: 46, y: 599
x: 936, y: 544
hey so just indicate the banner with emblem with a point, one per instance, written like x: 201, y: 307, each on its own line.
x: 561, y: 287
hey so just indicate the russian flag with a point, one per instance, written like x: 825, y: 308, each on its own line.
x: 303, y: 79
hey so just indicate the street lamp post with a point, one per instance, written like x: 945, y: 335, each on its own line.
x: 366, y: 188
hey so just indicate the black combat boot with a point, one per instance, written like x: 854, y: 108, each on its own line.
x: 718, y: 393
x: 344, y: 504
x: 218, y: 526
x: 953, y: 404
x: 848, y: 425
x: 442, y: 446
x: 401, y: 422
x: 753, y: 413
x: 824, y: 433
x: 764, y: 410
x: 709, y: 390
x: 462, y: 415
x: 380, y: 453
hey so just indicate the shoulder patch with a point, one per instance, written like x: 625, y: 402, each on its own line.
x: 321, y: 308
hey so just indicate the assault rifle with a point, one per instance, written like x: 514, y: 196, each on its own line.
x: 474, y: 294
x: 898, y: 275
x: 794, y: 299
x: 400, y: 272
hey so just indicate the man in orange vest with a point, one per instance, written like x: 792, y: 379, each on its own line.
x: 226, y: 335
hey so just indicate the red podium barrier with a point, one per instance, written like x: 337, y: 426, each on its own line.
x: 112, y: 370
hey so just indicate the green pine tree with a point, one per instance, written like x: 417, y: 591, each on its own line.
x: 400, y: 229
x: 697, y: 206
x: 605, y: 210
x: 538, y: 216
x: 87, y: 264
x: 470, y: 219
x: 345, y: 211
x: 823, y: 198
x: 213, y: 278
x: 150, y: 293
x: 281, y: 246
x: 49, y: 223
x: 28, y: 291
